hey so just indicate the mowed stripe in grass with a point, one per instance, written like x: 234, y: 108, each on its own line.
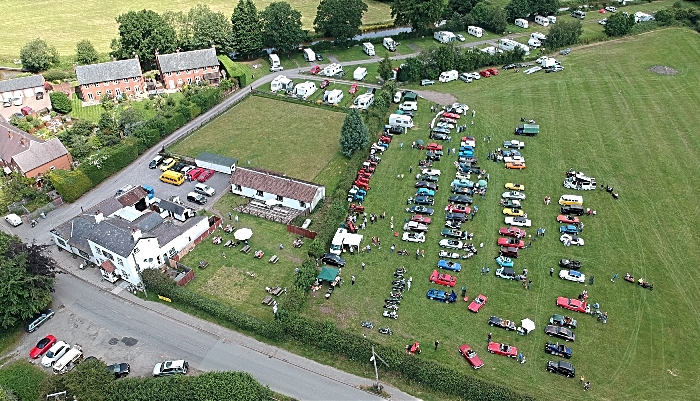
x: 607, y: 115
x: 285, y: 137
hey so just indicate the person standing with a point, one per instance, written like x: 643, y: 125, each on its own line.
x: 417, y: 253
x: 363, y: 265
x: 529, y: 284
x: 236, y: 218
x: 613, y: 278
x: 551, y: 272
x: 586, y: 386
x: 436, y: 344
x: 490, y: 335
x: 352, y: 279
x: 230, y: 215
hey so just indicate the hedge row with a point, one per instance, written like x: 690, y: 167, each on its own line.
x: 233, y: 70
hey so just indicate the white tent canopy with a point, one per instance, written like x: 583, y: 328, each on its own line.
x: 243, y: 234
x: 527, y: 325
x: 353, y: 239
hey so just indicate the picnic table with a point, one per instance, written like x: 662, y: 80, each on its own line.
x: 203, y: 264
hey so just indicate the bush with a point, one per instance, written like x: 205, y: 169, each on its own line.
x: 60, y: 102
x: 233, y: 71
x: 56, y: 75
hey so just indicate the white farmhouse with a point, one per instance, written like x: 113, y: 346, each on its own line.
x: 267, y: 186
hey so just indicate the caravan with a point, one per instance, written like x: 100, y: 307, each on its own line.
x: 389, y: 44
x: 475, y: 31
x: 333, y: 97
x: 508, y: 44
x: 444, y: 36
x: 401, y: 120
x: 542, y: 20
x: 359, y: 74
x: 448, y: 76
x: 332, y: 69
x: 309, y: 55
x: 304, y: 90
x: 368, y: 48
x: 521, y: 23
x: 275, y: 65
x: 363, y: 101
x: 281, y: 83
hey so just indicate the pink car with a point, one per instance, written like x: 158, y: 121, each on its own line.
x: 573, y: 304
x: 443, y: 279
x: 478, y: 303
x: 205, y: 175
x: 503, y: 349
x: 471, y: 356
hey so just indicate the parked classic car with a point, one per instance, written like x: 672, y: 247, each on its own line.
x: 443, y: 279
x: 568, y: 219
x: 561, y: 367
x: 452, y: 233
x: 442, y: 296
x: 515, y: 186
x: 471, y: 356
x: 463, y: 199
x: 503, y: 349
x: 496, y: 321
x: 513, y: 195
x: 570, y: 264
x: 558, y: 350
x: 415, y: 226
x: 451, y: 243
x: 562, y: 320
x: 518, y: 221
x: 448, y: 265
x: 513, y: 144
x: 424, y: 200
x: 413, y: 237
x: 560, y: 332
x: 421, y: 219
x: 503, y: 261
x: 421, y: 209
x: 568, y: 229
x: 573, y: 304
x: 572, y: 275
x: 511, y: 241
x: 571, y: 239
x: 512, y: 232
x: 478, y: 303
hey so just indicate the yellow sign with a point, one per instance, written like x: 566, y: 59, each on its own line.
x: 164, y: 298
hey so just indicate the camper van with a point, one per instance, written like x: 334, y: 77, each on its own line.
x: 275, y: 65
x: 389, y: 44
x: 172, y: 177
x: 68, y: 360
x: 281, y: 83
x: 535, y: 43
x: 333, y: 97
x: 578, y: 14
x: 304, y: 90
x: 539, y: 36
x: 568, y: 200
x: 368, y: 48
x: 521, y: 23
x: 332, y: 69
x: 401, y: 120
x: 475, y: 31
x: 309, y: 55
x: 542, y: 20
x: 444, y: 36
x: 508, y: 44
x: 359, y: 74
x: 363, y: 101
x: 447, y: 76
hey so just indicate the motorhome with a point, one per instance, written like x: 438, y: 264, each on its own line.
x: 508, y: 44
x: 542, y: 20
x: 521, y: 23
x: 304, y: 90
x: 475, y: 31
x: 332, y: 69
x: 491, y: 50
x: 309, y: 55
x: 539, y: 36
x: 359, y: 74
x: 401, y: 120
x: 275, y: 63
x: 578, y: 14
x: 448, y: 76
x: 363, y: 101
x: 281, y: 83
x: 389, y: 44
x: 333, y: 97
x: 368, y: 48
x: 444, y: 36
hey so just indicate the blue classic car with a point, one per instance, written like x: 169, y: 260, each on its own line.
x: 447, y: 265
x: 558, y: 350
x: 424, y: 200
x: 421, y: 209
x: 503, y: 261
x: 568, y: 229
x: 463, y: 183
x: 425, y: 192
x: 442, y: 296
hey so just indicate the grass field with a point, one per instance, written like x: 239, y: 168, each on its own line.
x: 607, y: 115
x: 69, y: 23
x: 274, y: 135
x: 23, y: 379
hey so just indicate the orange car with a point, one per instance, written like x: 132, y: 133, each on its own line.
x: 515, y: 165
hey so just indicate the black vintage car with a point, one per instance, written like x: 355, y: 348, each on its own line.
x: 561, y: 367
x: 558, y: 350
x: 333, y: 259
x: 560, y: 332
x: 426, y: 184
x: 573, y: 209
x: 570, y: 264
x: 496, y: 321
x: 429, y: 178
x: 461, y: 199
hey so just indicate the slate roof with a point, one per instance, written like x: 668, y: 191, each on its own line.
x: 21, y: 83
x: 169, y: 231
x: 216, y: 159
x: 28, y: 151
x: 79, y: 228
x: 113, y: 70
x: 275, y: 183
x: 172, y: 207
x: 109, y: 236
x: 187, y: 60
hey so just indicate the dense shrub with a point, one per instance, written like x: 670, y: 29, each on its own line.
x: 233, y: 71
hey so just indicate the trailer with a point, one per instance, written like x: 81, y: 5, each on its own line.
x: 444, y: 36
x: 528, y: 129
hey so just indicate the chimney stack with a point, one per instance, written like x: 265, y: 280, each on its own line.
x: 136, y: 234
x: 99, y: 217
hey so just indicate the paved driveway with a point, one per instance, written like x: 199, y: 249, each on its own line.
x: 150, y: 177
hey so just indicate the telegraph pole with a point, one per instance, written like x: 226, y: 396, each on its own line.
x: 374, y: 358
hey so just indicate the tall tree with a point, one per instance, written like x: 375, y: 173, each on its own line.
x: 142, y: 33
x: 282, y: 27
x: 544, y: 7
x: 209, y: 28
x: 461, y: 7
x: 37, y: 55
x: 246, y: 29
x: 618, y: 24
x: 490, y: 17
x: 182, y: 26
x: 340, y: 19
x: 518, y: 9
x: 564, y: 33
x: 27, y: 275
x: 85, y: 52
x: 385, y: 69
x: 354, y: 134
x: 419, y: 13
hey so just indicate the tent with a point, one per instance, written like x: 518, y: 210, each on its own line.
x: 327, y: 274
x: 527, y: 325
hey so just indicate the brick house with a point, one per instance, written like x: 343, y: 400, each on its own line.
x: 114, y: 78
x: 183, y: 68
x: 28, y: 87
x: 29, y: 155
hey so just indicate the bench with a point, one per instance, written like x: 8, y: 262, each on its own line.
x: 203, y: 264
x: 246, y: 249
x: 274, y: 259
x: 267, y: 300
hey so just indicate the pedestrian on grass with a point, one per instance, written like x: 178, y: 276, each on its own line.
x: 583, y: 379
x: 590, y: 280
x: 229, y: 215
x: 551, y: 272
x: 410, y: 169
x: 223, y: 255
x: 436, y: 344
x: 352, y: 279
x: 363, y: 265
x: 614, y: 278
x: 422, y: 252
x: 490, y: 337
x: 392, y: 246
x: 417, y: 253
x: 586, y: 386
x: 529, y: 284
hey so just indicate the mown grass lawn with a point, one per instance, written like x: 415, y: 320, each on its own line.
x: 23, y: 379
x: 607, y: 115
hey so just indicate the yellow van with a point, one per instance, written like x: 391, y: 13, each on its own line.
x: 172, y: 177
x: 167, y: 163
x: 567, y: 200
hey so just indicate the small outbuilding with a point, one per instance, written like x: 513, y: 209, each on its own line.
x: 215, y: 162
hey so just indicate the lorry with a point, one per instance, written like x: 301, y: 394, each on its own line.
x: 444, y: 36
x: 389, y: 44
x: 448, y: 76
x: 359, y: 74
x: 368, y: 48
x: 527, y: 129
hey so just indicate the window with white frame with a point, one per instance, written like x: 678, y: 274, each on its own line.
x: 259, y: 193
x: 279, y: 198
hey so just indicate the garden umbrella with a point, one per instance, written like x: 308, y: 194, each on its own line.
x: 483, y: 183
x: 243, y: 234
x: 527, y: 324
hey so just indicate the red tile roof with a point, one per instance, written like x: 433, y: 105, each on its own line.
x: 275, y: 183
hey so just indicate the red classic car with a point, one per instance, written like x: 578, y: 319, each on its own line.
x: 478, y: 303
x: 42, y: 346
x: 443, y: 279
x: 194, y: 173
x: 493, y: 71
x: 503, y: 349
x: 356, y: 208
x: 353, y: 89
x: 451, y: 115
x: 485, y: 73
x: 512, y: 232
x: 420, y: 219
x: 324, y: 84
x: 315, y: 70
x: 434, y: 146
x: 512, y: 242
x: 573, y: 304
x: 568, y: 219
x: 455, y: 208
x: 471, y: 356
x: 205, y: 175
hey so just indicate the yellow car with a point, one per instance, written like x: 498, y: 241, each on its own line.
x: 515, y: 187
x: 513, y: 212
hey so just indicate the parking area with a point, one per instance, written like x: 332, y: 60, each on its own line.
x: 32, y: 102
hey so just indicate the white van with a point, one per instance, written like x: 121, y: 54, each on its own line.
x: 521, y: 23
x: 566, y: 200
x: 13, y: 220
x: 275, y: 64
x: 401, y: 120
x: 409, y: 106
x: 475, y: 31
x: 578, y: 14
x: 368, y: 48
x: 309, y: 55
x: 389, y: 44
x: 544, y: 21
x: 448, y: 76
x: 68, y: 360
